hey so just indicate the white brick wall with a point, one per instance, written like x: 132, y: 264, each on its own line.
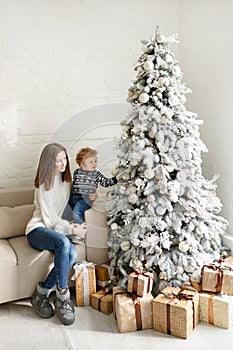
x: 58, y: 58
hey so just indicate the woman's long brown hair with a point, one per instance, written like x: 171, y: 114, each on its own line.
x: 47, y: 166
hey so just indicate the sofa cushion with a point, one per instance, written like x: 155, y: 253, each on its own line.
x: 8, y: 257
x: 13, y: 221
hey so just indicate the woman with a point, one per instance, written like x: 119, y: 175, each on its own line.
x: 47, y: 231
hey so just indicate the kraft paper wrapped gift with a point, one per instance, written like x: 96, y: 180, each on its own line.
x: 115, y: 291
x: 217, y: 277
x: 104, y: 274
x: 133, y: 313
x: 216, y: 309
x: 140, y: 283
x: 176, y: 312
x: 85, y: 282
x: 103, y: 302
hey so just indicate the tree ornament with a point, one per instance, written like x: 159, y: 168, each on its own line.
x: 148, y: 66
x: 176, y: 71
x: 125, y: 245
x: 133, y: 162
x: 183, y: 246
x: 143, y: 222
x: 136, y: 242
x: 149, y: 174
x: 183, y: 99
x: 137, y: 265
x: 160, y: 210
x: 160, y: 38
x: 163, y: 81
x: 138, y: 182
x: 150, y: 198
x: 195, y: 277
x: 114, y: 226
x: 151, y: 134
x: 166, y: 244
x: 179, y: 270
x: 144, y: 97
x: 173, y: 100
x: 132, y: 198
x: 115, y: 172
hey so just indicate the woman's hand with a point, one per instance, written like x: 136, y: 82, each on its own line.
x: 93, y: 196
x: 79, y: 230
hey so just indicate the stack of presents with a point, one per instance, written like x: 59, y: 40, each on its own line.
x: 175, y: 311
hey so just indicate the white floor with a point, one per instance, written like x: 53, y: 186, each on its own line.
x: 22, y: 329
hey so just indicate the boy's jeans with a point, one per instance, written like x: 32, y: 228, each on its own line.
x: 78, y: 211
x: 65, y: 254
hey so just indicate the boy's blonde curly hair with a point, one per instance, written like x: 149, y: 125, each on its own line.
x: 85, y: 153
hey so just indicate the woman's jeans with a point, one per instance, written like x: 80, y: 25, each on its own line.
x: 65, y: 254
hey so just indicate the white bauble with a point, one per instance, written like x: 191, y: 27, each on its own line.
x: 138, y: 182
x: 160, y: 210
x: 150, y: 198
x: 160, y: 38
x: 169, y: 58
x: 163, y: 81
x: 133, y: 162
x: 143, y: 222
x: 137, y: 265
x: 148, y: 66
x: 183, y: 99
x: 191, y: 194
x: 136, y: 242
x: 179, y: 270
x: 146, y: 89
x: 151, y: 134
x: 183, y: 246
x: 196, y: 277
x: 132, y: 198
x: 115, y: 171
x: 125, y: 245
x: 149, y: 174
x: 189, y: 268
x: 174, y: 197
x: 181, y: 175
x: 173, y: 100
x: 114, y: 226
x: 176, y: 70
x: 164, y: 119
x: 156, y: 158
x: 144, y: 98
x: 166, y: 244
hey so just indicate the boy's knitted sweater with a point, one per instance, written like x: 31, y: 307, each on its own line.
x: 86, y: 182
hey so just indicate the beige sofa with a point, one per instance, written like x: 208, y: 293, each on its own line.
x: 21, y: 266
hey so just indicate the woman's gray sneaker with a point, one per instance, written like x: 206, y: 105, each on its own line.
x: 65, y: 310
x: 40, y: 302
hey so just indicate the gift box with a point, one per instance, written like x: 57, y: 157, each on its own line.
x: 104, y: 274
x: 140, y: 283
x: 133, y: 313
x: 216, y: 309
x: 217, y: 277
x: 85, y: 282
x: 115, y: 291
x: 103, y: 302
x: 176, y: 311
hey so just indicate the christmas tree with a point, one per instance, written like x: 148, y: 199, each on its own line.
x: 163, y: 215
